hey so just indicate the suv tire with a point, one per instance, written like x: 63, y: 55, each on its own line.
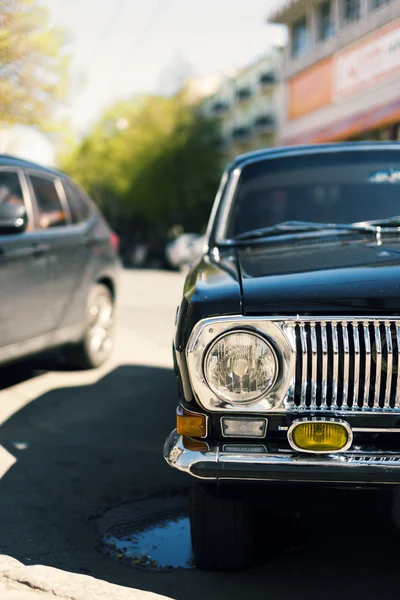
x: 222, y: 531
x: 96, y: 346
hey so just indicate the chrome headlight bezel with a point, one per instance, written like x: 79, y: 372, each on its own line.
x: 276, y: 333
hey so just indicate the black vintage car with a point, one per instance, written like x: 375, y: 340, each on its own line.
x: 287, y: 344
x: 59, y: 267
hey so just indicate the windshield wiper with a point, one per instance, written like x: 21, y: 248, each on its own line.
x: 391, y: 222
x: 288, y: 227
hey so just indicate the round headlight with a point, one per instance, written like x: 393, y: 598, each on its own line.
x: 241, y: 367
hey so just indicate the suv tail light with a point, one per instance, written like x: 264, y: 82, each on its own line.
x: 114, y: 239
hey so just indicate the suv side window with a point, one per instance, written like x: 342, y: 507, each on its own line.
x: 10, y: 188
x: 51, y: 210
x: 78, y: 205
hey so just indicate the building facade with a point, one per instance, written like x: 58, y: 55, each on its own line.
x: 341, y: 78
x: 245, y: 105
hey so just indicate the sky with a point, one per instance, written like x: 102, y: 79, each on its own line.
x: 120, y: 48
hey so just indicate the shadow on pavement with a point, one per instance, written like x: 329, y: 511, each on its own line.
x: 23, y: 370
x: 82, y: 450
x: 14, y: 374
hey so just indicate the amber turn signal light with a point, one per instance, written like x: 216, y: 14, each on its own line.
x: 190, y: 424
x: 320, y: 436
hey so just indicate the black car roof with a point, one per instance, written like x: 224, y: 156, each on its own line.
x: 13, y: 161
x: 310, y: 149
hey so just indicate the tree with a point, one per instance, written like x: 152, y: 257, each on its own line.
x: 33, y: 66
x: 159, y: 170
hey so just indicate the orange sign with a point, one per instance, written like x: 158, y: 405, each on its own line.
x: 311, y: 89
x: 367, y: 62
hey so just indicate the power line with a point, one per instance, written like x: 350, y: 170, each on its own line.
x: 107, y: 30
x: 146, y: 30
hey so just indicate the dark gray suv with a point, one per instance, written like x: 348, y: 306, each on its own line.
x: 59, y: 267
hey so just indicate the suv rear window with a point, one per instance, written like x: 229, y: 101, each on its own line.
x: 77, y: 202
x: 51, y: 210
x: 10, y: 188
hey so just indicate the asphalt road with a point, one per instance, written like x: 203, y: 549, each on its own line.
x: 75, y: 444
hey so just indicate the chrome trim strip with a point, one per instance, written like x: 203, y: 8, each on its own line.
x: 378, y: 359
x: 346, y: 365
x: 367, y: 384
x: 179, y: 457
x: 299, y: 422
x: 314, y: 363
x: 335, y: 373
x: 376, y: 429
x: 324, y: 372
x: 359, y: 429
x: 357, y: 360
x: 227, y: 196
x: 304, y: 378
x: 397, y: 398
x: 389, y: 364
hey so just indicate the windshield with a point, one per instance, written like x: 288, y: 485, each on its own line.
x: 337, y: 187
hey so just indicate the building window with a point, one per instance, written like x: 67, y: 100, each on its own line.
x: 378, y: 3
x: 241, y: 133
x: 326, y: 27
x: 244, y: 93
x: 351, y: 10
x: 300, y: 37
x: 220, y: 106
x: 267, y: 78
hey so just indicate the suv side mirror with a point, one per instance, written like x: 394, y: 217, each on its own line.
x: 13, y: 218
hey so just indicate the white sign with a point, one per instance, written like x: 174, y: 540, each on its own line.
x: 362, y: 67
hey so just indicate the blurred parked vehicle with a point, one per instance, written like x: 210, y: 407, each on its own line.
x: 184, y: 250
x: 59, y: 267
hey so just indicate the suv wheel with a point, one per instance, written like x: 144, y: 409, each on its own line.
x: 97, y: 344
x: 222, y: 531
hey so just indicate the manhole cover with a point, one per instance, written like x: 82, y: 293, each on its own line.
x: 152, y: 533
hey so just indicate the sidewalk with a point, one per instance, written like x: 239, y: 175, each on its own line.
x: 36, y: 582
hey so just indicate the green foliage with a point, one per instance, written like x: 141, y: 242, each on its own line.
x: 33, y: 67
x: 151, y: 161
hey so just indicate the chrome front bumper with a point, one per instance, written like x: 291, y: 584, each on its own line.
x: 243, y: 464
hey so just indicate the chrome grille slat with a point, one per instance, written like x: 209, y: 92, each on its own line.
x: 304, y: 352
x: 389, y: 364
x: 324, y: 374
x: 397, y: 398
x: 348, y: 365
x: 367, y: 342
x: 335, y: 370
x: 314, y: 365
x: 356, y: 364
x: 378, y: 363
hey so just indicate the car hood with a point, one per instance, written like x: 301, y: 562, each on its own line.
x: 310, y: 277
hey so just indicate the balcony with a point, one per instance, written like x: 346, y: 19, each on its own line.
x: 241, y: 133
x: 244, y: 93
x: 267, y: 79
x: 220, y: 107
x: 264, y: 123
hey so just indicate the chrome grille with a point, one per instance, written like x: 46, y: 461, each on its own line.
x: 347, y: 365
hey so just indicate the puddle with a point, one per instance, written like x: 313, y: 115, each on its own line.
x: 151, y: 533
x: 163, y: 546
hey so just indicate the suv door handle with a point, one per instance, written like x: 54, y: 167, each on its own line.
x: 40, y: 249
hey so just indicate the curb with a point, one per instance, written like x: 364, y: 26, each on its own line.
x: 20, y: 582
